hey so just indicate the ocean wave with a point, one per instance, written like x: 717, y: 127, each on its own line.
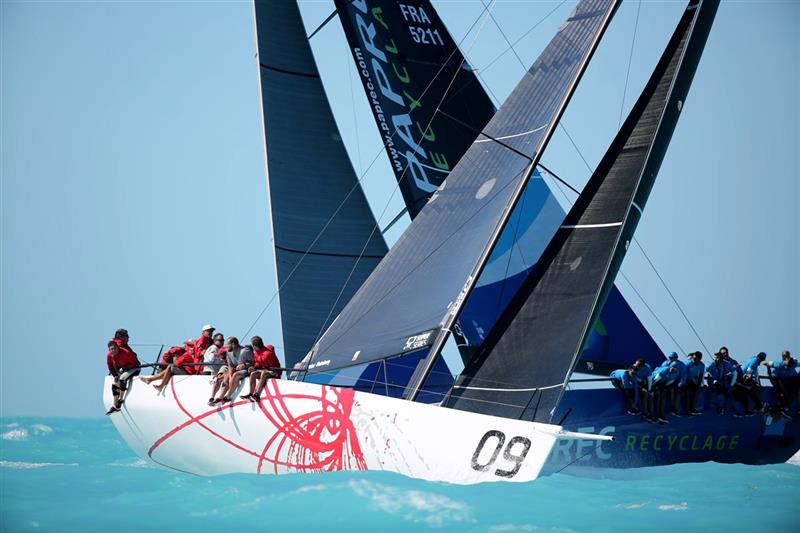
x: 528, y: 527
x: 15, y: 434
x: 21, y: 465
x: 413, y: 505
x: 41, y: 429
x: 683, y: 506
x: 138, y: 463
x: 631, y: 505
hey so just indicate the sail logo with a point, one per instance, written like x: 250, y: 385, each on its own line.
x: 403, y: 138
x: 418, y: 341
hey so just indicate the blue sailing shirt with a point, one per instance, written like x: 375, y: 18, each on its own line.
x: 679, y: 374
x: 623, y: 377
x: 663, y: 375
x: 784, y: 372
x: 694, y: 372
x: 751, y: 366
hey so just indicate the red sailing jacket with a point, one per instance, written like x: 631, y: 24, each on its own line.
x: 125, y: 358
x: 170, y: 355
x: 186, y: 357
x: 200, y: 346
x: 266, y: 358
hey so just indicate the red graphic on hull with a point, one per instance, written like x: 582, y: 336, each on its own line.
x: 320, y: 439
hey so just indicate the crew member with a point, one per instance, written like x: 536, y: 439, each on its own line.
x: 693, y: 382
x: 783, y: 376
x: 182, y: 365
x: 642, y: 373
x: 213, y: 356
x: 123, y: 365
x: 675, y: 381
x: 240, y: 364
x: 266, y: 367
x: 750, y: 386
x: 625, y: 381
x: 202, y: 343
x: 660, y: 382
x: 720, y: 375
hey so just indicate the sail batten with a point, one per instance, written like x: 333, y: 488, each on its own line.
x: 539, y: 337
x: 423, y: 280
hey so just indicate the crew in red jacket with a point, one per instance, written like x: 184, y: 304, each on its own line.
x: 205, y: 340
x: 123, y: 365
x: 181, y: 364
x: 266, y: 366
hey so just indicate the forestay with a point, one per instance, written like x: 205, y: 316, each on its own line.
x: 424, y: 278
x: 324, y: 232
x: 525, y: 362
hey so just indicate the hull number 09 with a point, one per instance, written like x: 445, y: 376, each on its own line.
x: 513, y: 453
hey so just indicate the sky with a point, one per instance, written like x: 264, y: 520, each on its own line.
x: 133, y: 184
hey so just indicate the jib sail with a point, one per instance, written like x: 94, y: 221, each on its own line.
x: 323, y: 229
x: 524, y: 364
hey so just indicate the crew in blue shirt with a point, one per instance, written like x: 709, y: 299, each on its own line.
x: 720, y: 376
x: 693, y: 381
x: 749, y: 387
x: 676, y: 380
x: 625, y: 381
x: 660, y: 381
x: 733, y: 362
x: 642, y: 373
x: 783, y: 376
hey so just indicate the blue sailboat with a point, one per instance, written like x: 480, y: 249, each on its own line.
x: 355, y: 314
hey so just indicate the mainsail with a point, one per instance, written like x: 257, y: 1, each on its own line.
x: 421, y: 284
x: 323, y: 230
x: 525, y: 362
x: 409, y: 64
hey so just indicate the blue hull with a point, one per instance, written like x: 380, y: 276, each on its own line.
x: 710, y: 437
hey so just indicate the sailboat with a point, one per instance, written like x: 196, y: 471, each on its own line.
x: 365, y: 325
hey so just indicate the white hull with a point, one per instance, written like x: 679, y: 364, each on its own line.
x: 304, y: 427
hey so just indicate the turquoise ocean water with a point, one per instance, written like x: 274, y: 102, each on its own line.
x: 79, y: 475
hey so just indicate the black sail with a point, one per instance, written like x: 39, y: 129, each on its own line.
x: 422, y: 282
x: 526, y: 360
x: 324, y: 231
x: 409, y: 65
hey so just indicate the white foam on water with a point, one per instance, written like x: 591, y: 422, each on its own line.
x: 413, y: 505
x: 631, y: 505
x: 15, y: 434
x: 138, y: 463
x: 683, y: 506
x: 21, y: 465
x: 41, y: 429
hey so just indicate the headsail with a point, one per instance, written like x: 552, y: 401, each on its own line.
x: 323, y: 230
x: 525, y: 362
x: 422, y: 282
x: 408, y: 62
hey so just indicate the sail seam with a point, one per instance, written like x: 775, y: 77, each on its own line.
x: 291, y: 72
x: 329, y: 254
x: 540, y: 128
x: 465, y: 387
x: 587, y: 226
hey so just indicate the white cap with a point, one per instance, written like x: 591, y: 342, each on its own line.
x: 207, y: 327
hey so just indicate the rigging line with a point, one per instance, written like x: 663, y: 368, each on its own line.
x: 674, y: 300
x: 652, y: 312
x: 396, y: 219
x: 561, y: 123
x: 510, y: 46
x: 504, y: 52
x: 328, y: 19
x: 355, y: 186
x: 405, y: 170
x: 630, y: 60
x: 353, y: 105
